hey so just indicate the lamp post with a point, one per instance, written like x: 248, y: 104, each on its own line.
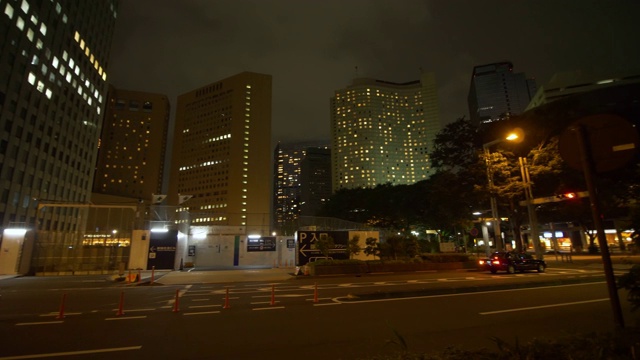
x: 533, y: 219
x: 494, y: 203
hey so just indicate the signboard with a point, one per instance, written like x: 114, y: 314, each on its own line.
x: 192, y: 250
x: 264, y: 243
x: 291, y: 243
x: 162, y: 250
x: 307, y: 245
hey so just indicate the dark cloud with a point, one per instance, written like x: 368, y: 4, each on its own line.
x: 312, y: 48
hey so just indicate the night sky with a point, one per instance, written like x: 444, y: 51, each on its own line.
x: 313, y: 47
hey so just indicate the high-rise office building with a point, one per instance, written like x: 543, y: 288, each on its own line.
x: 53, y: 82
x: 222, y: 153
x: 132, y: 145
x: 382, y: 132
x: 288, y: 182
x: 496, y: 93
x: 315, y: 177
x: 569, y: 83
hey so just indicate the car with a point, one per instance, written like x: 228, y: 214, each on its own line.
x: 511, y: 262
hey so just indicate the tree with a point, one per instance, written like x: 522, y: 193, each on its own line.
x: 353, y: 247
x: 325, y: 244
x: 455, y: 146
x: 371, y: 247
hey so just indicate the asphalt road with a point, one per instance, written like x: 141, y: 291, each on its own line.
x: 294, y: 318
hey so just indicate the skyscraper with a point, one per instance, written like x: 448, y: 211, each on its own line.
x: 315, y: 177
x: 222, y: 153
x: 289, y: 185
x: 132, y: 145
x: 382, y: 132
x: 53, y: 81
x: 496, y: 93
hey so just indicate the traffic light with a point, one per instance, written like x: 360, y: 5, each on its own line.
x: 569, y: 195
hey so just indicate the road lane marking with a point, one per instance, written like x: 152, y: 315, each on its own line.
x: 58, y: 313
x: 269, y: 308
x: 39, y: 323
x: 355, y: 301
x: 127, y: 318
x: 202, y: 313
x: 202, y: 306
x: 542, y: 307
x: 135, y: 310
x: 71, y: 353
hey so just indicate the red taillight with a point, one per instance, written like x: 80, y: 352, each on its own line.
x: 497, y: 262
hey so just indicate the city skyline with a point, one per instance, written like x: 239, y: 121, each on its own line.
x: 312, y: 49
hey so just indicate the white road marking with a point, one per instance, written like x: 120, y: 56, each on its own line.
x: 39, y: 323
x: 351, y: 302
x: 127, y: 318
x: 202, y: 313
x: 70, y: 353
x: 269, y: 308
x: 542, y: 307
x: 202, y: 306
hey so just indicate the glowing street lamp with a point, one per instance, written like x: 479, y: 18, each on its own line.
x: 494, y: 204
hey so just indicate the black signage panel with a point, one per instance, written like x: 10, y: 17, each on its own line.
x: 192, y: 250
x: 307, y: 245
x: 162, y: 250
x: 264, y: 243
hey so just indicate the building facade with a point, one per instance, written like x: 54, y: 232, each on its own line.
x: 53, y: 84
x: 315, y: 178
x: 132, y: 145
x: 289, y: 182
x: 496, y: 93
x: 569, y: 83
x: 221, y: 153
x: 382, y: 132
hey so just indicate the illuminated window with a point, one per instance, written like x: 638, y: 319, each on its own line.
x: 9, y: 11
x: 24, y: 6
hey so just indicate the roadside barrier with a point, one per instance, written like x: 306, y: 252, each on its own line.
x: 315, y: 293
x: 153, y: 272
x: 61, y: 312
x: 121, y: 305
x: 273, y: 295
x: 226, y: 300
x: 176, y: 304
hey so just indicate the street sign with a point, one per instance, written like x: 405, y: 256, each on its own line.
x: 548, y: 199
x: 612, y: 139
x: 264, y: 243
x: 291, y: 243
x: 307, y: 246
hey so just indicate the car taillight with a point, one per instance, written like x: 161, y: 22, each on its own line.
x: 481, y: 262
x: 497, y: 262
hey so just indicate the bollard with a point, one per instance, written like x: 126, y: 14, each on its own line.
x: 153, y: 272
x: 226, y: 301
x: 61, y: 313
x: 139, y: 276
x: 315, y: 293
x: 273, y: 295
x: 121, y: 305
x: 176, y: 304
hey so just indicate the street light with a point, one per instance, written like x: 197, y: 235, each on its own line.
x: 494, y: 204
